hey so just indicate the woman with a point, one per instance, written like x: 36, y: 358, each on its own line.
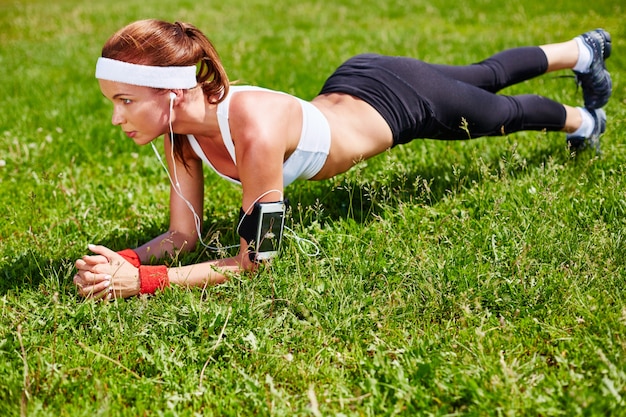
x: 167, y: 79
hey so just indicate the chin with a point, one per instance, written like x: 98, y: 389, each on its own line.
x: 143, y: 141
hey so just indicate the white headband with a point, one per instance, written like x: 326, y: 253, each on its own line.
x: 145, y: 75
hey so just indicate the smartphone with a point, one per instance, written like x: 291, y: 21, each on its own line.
x: 270, y: 229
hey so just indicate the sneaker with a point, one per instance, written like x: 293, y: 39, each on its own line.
x: 596, y: 83
x: 578, y: 143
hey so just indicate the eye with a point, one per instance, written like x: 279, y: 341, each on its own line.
x: 126, y: 101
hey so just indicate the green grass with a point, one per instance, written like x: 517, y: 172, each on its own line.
x: 474, y: 278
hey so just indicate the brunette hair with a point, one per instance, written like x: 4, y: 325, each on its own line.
x: 163, y: 44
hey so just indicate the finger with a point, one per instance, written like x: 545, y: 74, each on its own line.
x: 97, y: 296
x: 94, y: 259
x: 89, y: 260
x: 80, y: 282
x: 109, y: 296
x: 81, y: 265
x: 113, y: 293
x: 104, y: 251
x: 96, y: 291
x: 90, y: 290
x: 102, y: 295
x: 80, y: 286
x: 88, y: 278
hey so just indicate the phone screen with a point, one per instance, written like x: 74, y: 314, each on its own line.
x: 270, y: 232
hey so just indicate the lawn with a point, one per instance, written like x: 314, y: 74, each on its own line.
x: 482, y: 277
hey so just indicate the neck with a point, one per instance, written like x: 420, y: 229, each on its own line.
x: 194, y: 115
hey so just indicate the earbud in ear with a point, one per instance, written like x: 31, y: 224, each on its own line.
x: 172, y: 95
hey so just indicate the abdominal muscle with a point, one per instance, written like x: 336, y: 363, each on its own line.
x: 358, y: 132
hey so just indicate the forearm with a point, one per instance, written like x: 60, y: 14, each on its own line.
x: 207, y: 273
x: 166, y: 245
x: 119, y: 278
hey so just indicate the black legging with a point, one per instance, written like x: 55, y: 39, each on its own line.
x: 422, y: 100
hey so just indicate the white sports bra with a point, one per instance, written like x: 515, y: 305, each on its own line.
x: 309, y: 156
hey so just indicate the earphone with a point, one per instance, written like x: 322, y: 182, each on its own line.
x: 172, y: 95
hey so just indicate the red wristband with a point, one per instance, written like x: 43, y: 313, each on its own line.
x: 152, y: 278
x: 131, y: 256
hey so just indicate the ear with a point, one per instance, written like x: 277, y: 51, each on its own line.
x: 174, y: 94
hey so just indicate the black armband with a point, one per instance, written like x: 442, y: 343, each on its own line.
x: 263, y: 229
x: 248, y: 223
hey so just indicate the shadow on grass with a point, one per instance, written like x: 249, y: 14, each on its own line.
x: 362, y: 201
x: 348, y: 199
x: 34, y: 269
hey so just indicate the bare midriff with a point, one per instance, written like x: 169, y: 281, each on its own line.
x: 358, y: 132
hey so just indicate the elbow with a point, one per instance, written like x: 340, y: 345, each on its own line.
x: 183, y: 242
x: 249, y: 264
x: 247, y: 261
x: 188, y: 245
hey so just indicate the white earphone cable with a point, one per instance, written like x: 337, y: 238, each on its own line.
x: 197, y: 220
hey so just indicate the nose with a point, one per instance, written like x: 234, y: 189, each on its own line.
x: 117, y: 118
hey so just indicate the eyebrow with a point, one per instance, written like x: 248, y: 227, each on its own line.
x: 115, y: 96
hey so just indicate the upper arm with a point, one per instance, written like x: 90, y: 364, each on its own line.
x: 261, y: 140
x: 261, y: 175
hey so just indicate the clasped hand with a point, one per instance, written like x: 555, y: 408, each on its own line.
x: 105, y: 275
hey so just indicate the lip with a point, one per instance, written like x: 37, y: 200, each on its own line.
x: 131, y: 134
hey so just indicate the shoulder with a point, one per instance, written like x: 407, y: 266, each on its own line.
x: 257, y: 100
x: 258, y: 114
